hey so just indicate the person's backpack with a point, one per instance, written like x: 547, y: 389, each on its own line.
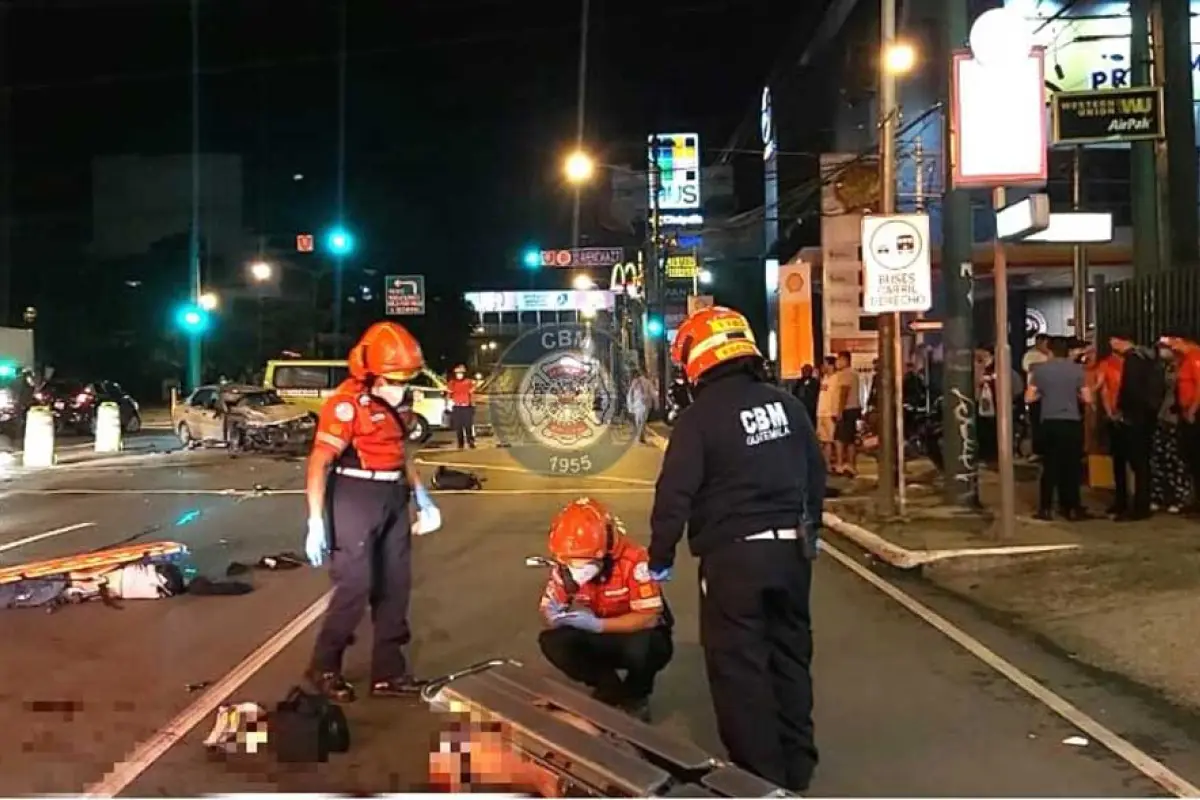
x: 455, y: 480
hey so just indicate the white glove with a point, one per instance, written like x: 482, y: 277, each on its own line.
x: 429, y: 517
x: 316, y: 544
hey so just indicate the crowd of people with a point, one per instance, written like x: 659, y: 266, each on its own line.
x: 834, y: 400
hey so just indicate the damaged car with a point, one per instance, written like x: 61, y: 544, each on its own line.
x: 242, y: 417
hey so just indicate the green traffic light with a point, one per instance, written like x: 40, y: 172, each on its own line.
x: 192, y: 319
x: 532, y: 258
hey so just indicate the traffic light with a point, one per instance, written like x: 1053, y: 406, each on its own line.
x: 8, y: 370
x: 192, y: 319
x: 340, y: 241
x: 532, y: 258
x: 654, y: 327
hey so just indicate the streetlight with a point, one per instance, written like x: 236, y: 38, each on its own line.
x: 261, y: 271
x: 706, y: 277
x: 208, y: 301
x: 899, y: 58
x: 583, y: 283
x: 579, y: 167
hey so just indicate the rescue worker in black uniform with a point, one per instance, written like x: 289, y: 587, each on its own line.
x: 365, y: 500
x: 744, y: 474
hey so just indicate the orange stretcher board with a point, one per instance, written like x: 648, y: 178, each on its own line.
x: 90, y: 561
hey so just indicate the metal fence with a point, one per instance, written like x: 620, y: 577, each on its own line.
x: 1150, y: 306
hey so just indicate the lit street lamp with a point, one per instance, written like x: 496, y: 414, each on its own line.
x: 706, y: 277
x: 583, y: 283
x: 899, y: 58
x: 579, y: 167
x: 261, y: 271
x: 208, y: 301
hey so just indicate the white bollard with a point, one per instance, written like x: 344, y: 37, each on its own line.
x: 39, y: 437
x: 108, y: 428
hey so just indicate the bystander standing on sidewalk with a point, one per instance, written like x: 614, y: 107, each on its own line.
x: 1139, y: 400
x: 848, y: 411
x: 640, y: 400
x: 1187, y: 399
x: 1169, y: 484
x: 1039, y: 354
x: 827, y: 409
x: 1058, y: 389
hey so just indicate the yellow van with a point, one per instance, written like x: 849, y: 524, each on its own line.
x: 308, y: 382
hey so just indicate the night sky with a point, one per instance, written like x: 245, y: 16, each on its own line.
x: 458, y: 111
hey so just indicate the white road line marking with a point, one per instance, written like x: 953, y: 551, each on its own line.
x: 145, y: 754
x: 13, y: 545
x: 250, y: 493
x: 1123, y: 749
x: 520, y: 471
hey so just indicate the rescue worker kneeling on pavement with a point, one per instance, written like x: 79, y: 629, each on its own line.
x: 603, y: 611
x: 365, y: 500
x: 743, y: 473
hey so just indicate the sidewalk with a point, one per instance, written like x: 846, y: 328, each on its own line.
x: 1121, y: 597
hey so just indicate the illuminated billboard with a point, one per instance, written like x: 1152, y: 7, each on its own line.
x: 1087, y: 43
x: 675, y: 163
x: 516, y: 302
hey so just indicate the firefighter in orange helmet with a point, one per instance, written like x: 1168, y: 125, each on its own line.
x: 603, y: 611
x: 462, y: 408
x: 362, y: 490
x: 744, y: 475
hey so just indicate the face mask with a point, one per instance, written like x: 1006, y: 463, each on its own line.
x: 460, y: 375
x: 582, y: 575
x: 392, y: 395
x: 1165, y: 354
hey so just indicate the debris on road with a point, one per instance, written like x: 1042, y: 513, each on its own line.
x: 1076, y: 741
x: 191, y: 688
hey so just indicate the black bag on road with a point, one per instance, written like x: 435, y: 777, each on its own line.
x: 306, y: 728
x: 455, y: 480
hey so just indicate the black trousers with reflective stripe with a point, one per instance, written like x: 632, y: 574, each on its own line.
x: 371, y: 566
x: 756, y: 632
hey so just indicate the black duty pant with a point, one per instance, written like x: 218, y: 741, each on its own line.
x: 370, y: 564
x: 1037, y: 433
x: 1062, y: 454
x: 594, y: 658
x: 1131, y: 446
x: 1189, y: 447
x: 756, y: 633
x: 462, y: 420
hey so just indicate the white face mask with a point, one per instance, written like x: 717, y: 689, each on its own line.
x: 582, y: 575
x: 392, y: 395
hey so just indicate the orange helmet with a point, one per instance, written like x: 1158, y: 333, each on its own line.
x: 710, y: 337
x: 583, y: 530
x: 386, y: 350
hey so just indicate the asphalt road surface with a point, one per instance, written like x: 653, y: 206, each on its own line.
x: 902, y: 709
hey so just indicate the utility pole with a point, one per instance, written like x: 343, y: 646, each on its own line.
x: 195, y: 344
x: 1003, y: 397
x: 338, y: 257
x: 1079, y: 265
x: 888, y: 323
x: 1170, y: 30
x: 960, y: 448
x: 580, y: 112
x: 6, y: 170
x: 1142, y: 179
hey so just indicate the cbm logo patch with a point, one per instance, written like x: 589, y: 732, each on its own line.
x: 765, y: 423
x: 555, y: 400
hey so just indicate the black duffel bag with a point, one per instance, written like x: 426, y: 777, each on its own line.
x: 455, y: 480
x: 306, y: 728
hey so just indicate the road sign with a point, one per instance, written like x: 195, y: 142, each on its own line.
x: 1108, y: 115
x: 404, y: 295
x: 683, y: 265
x: 304, y: 243
x: 897, y: 272
x: 583, y: 257
x: 925, y: 325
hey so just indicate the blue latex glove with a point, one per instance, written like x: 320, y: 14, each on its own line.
x: 661, y: 575
x: 316, y: 544
x: 580, y: 620
x: 422, y: 499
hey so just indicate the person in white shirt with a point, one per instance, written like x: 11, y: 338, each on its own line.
x: 826, y: 408
x: 1040, y: 354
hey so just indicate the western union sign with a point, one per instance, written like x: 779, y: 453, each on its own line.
x: 1108, y: 115
x: 683, y: 265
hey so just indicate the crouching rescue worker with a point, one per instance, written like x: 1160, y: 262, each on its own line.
x: 743, y: 473
x: 462, y: 409
x: 603, y: 611
x: 363, y: 498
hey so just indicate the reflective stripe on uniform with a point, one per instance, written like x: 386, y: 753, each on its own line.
x: 331, y: 440
x: 647, y: 604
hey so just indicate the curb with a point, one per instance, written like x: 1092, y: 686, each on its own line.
x: 900, y: 557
